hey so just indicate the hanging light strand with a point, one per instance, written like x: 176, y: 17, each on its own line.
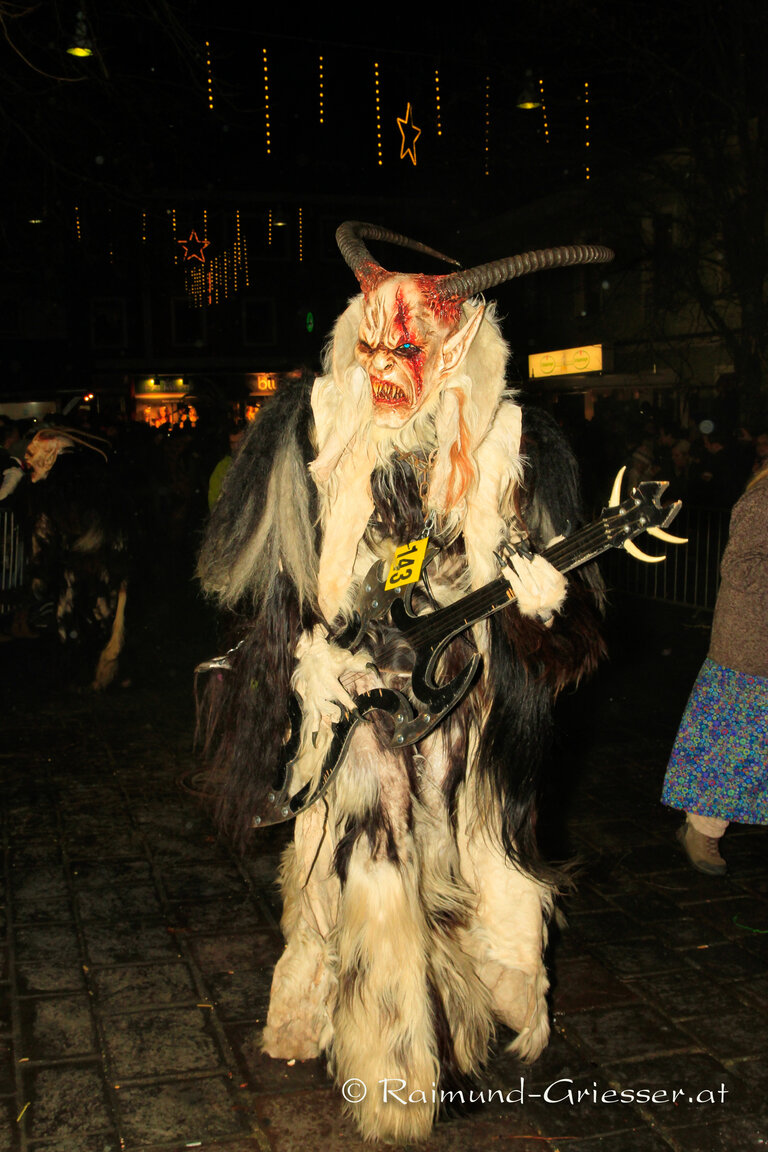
x: 267, y: 133
x: 209, y: 75
x: 78, y: 230
x: 321, y: 90
x: 487, y: 126
x: 586, y: 129
x: 378, y: 112
x: 301, y: 236
x: 544, y: 111
x: 438, y: 118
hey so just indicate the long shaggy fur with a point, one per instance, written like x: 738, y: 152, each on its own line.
x: 415, y: 899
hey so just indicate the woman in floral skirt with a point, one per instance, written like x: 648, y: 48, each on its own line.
x: 718, y: 770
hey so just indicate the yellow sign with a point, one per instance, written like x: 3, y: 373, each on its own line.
x: 407, y: 564
x: 567, y: 362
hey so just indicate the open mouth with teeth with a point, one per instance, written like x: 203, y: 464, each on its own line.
x: 385, y: 392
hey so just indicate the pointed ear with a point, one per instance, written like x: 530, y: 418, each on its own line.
x: 456, y: 346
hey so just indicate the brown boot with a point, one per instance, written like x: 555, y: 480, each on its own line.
x: 702, y: 851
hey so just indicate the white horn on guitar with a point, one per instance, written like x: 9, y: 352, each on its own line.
x: 633, y: 550
x: 660, y: 534
x: 615, y: 495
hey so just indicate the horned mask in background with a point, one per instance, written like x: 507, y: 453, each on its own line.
x: 414, y: 332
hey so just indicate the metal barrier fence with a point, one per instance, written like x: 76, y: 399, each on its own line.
x: 12, y: 559
x: 690, y: 574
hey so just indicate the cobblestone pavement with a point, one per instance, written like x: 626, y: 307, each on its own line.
x: 137, y: 950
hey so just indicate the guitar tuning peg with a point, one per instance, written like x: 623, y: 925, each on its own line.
x: 660, y: 534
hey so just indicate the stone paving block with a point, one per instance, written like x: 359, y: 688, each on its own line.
x: 49, y: 910
x: 10, y: 1135
x: 583, y: 982
x: 48, y: 959
x: 624, y: 1033
x: 7, y: 1082
x: 113, y: 905
x: 183, y: 1111
x: 113, y: 842
x: 140, y: 986
x: 168, y: 1042
x: 576, y: 1106
x: 604, y: 925
x: 241, y: 995
x: 66, y: 1103
x: 586, y: 899
x: 88, y: 874
x: 727, y: 962
x: 616, y: 835
x: 260, y: 949
x: 629, y: 958
x: 45, y: 852
x: 649, y: 859
x: 683, y: 994
x: 686, y: 933
x: 56, y: 1027
x: 38, y: 881
x: 225, y: 914
x: 203, y: 881
x: 755, y: 990
x: 741, y: 1134
x: 729, y: 1035
x: 558, y: 1059
x: 266, y: 1075
x: 634, y: 1140
x: 699, y: 1088
x: 129, y: 943
x: 729, y: 912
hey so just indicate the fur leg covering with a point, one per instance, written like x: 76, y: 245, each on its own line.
x: 304, y: 985
x: 508, y: 937
x: 384, y: 1032
x: 106, y: 669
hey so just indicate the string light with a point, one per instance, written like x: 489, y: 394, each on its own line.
x: 268, y: 139
x: 143, y: 227
x: 269, y: 228
x: 544, y: 112
x: 173, y: 231
x: 238, y: 248
x: 301, y: 236
x: 222, y: 276
x: 378, y: 112
x: 437, y: 103
x: 320, y: 89
x: 205, y: 223
x: 209, y: 75
x: 586, y: 128
x: 78, y: 231
x: 487, y: 122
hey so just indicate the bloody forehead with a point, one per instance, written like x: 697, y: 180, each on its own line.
x: 445, y: 309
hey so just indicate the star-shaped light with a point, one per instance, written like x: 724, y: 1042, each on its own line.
x: 194, y: 248
x: 408, y: 130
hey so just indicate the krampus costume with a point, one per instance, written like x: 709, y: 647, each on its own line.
x: 77, y: 532
x: 415, y: 903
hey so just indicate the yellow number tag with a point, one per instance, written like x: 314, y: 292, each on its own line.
x: 407, y: 564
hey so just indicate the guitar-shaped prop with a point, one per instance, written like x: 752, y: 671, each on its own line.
x: 390, y: 590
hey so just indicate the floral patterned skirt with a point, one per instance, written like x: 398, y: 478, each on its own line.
x: 719, y: 762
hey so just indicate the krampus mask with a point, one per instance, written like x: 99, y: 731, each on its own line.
x: 414, y: 332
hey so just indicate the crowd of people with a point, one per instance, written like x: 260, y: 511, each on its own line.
x: 101, y: 514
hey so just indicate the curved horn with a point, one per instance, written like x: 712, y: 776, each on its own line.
x: 471, y: 281
x: 349, y: 237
